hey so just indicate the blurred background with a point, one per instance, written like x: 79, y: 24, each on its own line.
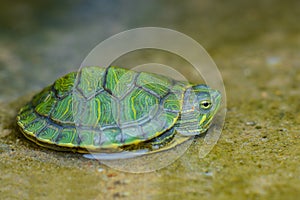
x: 41, y: 40
x: 256, y: 46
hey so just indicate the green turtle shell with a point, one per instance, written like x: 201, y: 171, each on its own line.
x: 102, y: 108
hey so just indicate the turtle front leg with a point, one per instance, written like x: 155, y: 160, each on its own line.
x: 163, y: 139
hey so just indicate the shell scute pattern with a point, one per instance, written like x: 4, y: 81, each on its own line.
x: 102, y: 108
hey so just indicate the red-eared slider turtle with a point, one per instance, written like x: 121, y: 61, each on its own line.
x: 114, y: 109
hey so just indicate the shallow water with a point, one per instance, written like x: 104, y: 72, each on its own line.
x: 256, y: 48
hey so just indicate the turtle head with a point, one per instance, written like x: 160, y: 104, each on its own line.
x: 200, y: 104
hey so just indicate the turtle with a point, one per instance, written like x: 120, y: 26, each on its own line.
x: 113, y: 109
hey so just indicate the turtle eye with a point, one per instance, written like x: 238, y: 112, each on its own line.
x: 205, y: 104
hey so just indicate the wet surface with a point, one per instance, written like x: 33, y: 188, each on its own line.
x: 254, y: 44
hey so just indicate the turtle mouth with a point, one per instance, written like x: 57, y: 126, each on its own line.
x: 217, y: 98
